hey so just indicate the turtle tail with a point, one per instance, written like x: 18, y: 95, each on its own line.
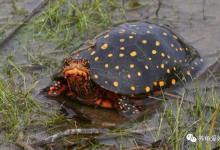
x: 192, y: 69
x: 199, y: 67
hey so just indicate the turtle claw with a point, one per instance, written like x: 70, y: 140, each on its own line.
x: 56, y: 89
x: 127, y: 108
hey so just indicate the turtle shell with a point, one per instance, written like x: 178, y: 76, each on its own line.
x: 139, y: 58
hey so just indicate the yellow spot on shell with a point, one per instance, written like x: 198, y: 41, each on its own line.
x: 149, y: 58
x: 121, y: 30
x: 104, y: 46
x: 106, y: 65
x: 173, y: 81
x: 122, y: 48
x: 110, y: 55
x: 162, y: 66
x: 117, y: 67
x: 175, y: 37
x: 181, y: 49
x: 106, y: 36
x: 164, y: 33
x: 131, y: 65
x: 133, y: 33
x: 133, y: 53
x: 144, y: 41
x: 96, y: 58
x: 154, y: 51
x: 139, y: 74
x: 162, y: 54
x: 115, y: 83
x: 146, y: 67
x: 155, y: 83
x: 129, y: 76
x: 121, y: 55
x: 174, y: 68
x: 157, y: 43
x: 96, y: 76
x: 168, y: 70
x: 131, y: 37
x: 92, y: 53
x: 133, y: 88
x: 161, y: 83
x: 147, y: 89
x: 122, y: 40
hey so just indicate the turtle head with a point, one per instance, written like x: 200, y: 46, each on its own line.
x: 73, y: 78
x: 76, y: 73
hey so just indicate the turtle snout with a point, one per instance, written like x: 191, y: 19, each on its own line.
x: 77, y: 73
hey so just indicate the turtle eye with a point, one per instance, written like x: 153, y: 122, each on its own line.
x: 86, y: 63
x: 66, y: 61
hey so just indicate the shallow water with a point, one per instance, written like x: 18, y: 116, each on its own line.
x: 197, y: 22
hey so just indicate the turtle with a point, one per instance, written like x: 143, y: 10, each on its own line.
x: 129, y: 62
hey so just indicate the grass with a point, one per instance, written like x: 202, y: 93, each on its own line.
x: 198, y: 119
x: 16, y: 109
x: 71, y: 19
x: 16, y: 10
x: 67, y: 24
x: 20, y: 112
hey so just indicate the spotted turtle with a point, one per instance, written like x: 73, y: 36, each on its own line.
x: 128, y: 62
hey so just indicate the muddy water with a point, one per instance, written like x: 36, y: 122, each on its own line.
x: 196, y: 21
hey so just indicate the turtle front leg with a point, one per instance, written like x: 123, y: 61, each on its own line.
x: 56, y: 89
x: 126, y: 107
x: 59, y: 88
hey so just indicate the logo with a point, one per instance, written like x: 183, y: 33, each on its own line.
x: 191, y: 137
